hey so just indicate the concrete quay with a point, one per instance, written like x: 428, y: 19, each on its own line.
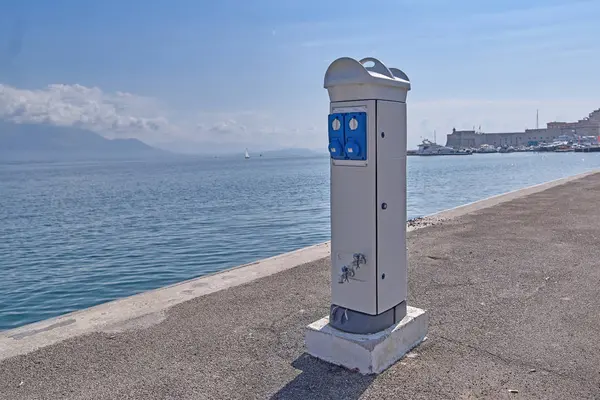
x: 512, y: 284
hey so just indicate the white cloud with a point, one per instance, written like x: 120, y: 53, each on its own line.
x: 261, y: 130
x: 111, y: 114
x: 120, y: 115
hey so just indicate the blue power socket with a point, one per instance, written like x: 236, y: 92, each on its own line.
x: 336, y: 136
x: 355, y: 132
x: 348, y: 136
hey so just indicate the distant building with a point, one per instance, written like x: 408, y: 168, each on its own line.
x: 589, y: 126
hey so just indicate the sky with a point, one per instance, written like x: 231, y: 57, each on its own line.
x: 212, y: 76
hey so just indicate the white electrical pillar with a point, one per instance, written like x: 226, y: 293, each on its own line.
x: 367, y: 144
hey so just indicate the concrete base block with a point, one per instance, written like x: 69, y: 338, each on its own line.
x: 368, y: 354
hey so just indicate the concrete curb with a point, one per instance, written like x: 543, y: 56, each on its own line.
x: 149, y: 308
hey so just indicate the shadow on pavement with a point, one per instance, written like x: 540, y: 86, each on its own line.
x: 321, y: 380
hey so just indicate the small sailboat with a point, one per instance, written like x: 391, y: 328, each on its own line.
x: 247, y: 156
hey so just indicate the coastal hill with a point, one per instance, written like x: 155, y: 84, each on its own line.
x: 36, y: 142
x: 293, y: 152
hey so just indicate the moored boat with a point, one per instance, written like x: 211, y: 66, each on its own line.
x: 428, y: 148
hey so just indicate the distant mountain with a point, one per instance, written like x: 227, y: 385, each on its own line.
x: 214, y: 147
x: 31, y: 142
x: 293, y: 152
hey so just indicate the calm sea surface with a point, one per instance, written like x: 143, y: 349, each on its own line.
x: 73, y: 235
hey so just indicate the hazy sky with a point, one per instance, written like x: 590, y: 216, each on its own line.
x: 196, y: 75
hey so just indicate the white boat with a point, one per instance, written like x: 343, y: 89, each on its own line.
x: 486, y: 148
x: 504, y: 149
x: 428, y: 148
x: 247, y: 156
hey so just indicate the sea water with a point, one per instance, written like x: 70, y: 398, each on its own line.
x: 77, y: 234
